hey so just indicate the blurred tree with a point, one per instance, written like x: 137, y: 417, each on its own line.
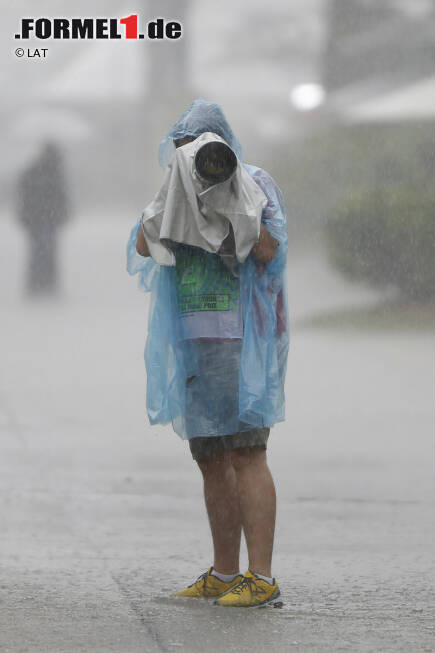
x: 381, y: 226
x: 323, y: 170
x: 169, y: 90
x: 168, y: 59
x: 386, y: 236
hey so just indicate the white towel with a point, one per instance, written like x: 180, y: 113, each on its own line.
x: 186, y: 210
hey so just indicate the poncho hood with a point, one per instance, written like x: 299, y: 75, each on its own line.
x: 200, y: 117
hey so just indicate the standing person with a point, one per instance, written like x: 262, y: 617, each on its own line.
x: 216, y: 358
x: 43, y: 207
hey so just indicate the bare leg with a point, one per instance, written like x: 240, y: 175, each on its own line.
x: 257, y: 504
x: 223, y: 509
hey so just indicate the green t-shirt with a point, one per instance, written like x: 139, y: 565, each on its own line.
x: 207, y: 293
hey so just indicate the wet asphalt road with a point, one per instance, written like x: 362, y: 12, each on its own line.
x: 102, y: 517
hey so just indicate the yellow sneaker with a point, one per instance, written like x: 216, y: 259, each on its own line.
x: 207, y: 586
x: 250, y: 592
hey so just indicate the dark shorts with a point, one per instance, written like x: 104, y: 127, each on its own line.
x: 212, y: 400
x: 202, y: 448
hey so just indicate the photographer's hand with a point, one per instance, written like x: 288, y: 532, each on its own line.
x: 141, y: 243
x: 265, y: 248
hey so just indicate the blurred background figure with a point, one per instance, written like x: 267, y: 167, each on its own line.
x: 43, y: 208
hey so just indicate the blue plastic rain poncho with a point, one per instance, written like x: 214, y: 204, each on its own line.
x: 217, y: 385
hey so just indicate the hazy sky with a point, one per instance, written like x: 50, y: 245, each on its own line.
x: 244, y: 51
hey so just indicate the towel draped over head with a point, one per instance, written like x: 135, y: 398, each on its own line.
x: 188, y: 210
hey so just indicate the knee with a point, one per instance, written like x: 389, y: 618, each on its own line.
x: 247, y: 457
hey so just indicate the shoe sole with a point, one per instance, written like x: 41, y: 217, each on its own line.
x: 271, y: 601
